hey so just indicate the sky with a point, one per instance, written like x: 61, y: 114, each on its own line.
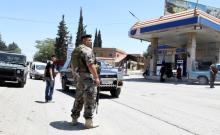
x: 25, y: 21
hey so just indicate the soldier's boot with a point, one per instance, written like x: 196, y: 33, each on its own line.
x: 74, y: 122
x: 89, y: 124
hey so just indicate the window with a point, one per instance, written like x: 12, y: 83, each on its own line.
x: 218, y: 67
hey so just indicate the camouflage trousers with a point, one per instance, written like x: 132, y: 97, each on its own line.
x: 86, y: 92
x: 212, y: 80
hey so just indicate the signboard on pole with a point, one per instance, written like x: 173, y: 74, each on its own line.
x: 70, y: 49
x: 175, y: 6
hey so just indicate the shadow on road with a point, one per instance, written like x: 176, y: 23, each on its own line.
x: 73, y: 92
x: 64, y: 125
x: 40, y: 102
x: 168, y: 81
x: 9, y: 85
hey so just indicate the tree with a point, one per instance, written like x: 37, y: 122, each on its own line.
x: 13, y: 47
x: 3, y: 46
x: 61, y: 40
x: 99, y: 39
x: 147, y: 53
x: 81, y: 30
x: 45, y: 49
x: 95, y: 43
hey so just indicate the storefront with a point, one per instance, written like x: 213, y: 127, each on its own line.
x: 192, y: 37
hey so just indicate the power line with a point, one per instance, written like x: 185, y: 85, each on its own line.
x: 49, y: 22
x: 24, y: 20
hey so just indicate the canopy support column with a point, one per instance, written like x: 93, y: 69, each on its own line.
x: 191, y: 52
x: 153, y: 61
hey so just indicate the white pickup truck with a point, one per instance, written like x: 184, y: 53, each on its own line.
x: 203, y: 77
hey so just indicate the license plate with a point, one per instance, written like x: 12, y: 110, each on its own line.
x: 106, y: 82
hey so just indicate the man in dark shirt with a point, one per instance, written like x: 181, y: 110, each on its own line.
x: 50, y: 75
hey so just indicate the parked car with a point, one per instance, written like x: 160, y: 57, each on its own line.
x: 203, y: 77
x: 37, y: 70
x: 111, y: 78
x: 13, y: 68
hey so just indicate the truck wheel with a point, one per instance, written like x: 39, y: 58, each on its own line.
x: 30, y: 77
x: 64, y: 87
x: 202, y: 80
x: 21, y: 84
x: 115, y: 92
x: 1, y: 82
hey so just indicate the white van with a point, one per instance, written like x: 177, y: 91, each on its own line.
x: 37, y: 70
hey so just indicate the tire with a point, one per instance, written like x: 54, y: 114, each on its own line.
x: 21, y: 84
x: 1, y: 82
x: 115, y: 92
x: 30, y: 77
x: 203, y: 80
x: 64, y: 87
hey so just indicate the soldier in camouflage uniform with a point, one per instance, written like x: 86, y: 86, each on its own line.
x: 83, y: 62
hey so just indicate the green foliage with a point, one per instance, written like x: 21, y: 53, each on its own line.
x: 81, y: 30
x: 45, y: 49
x: 61, y: 40
x: 3, y: 46
x: 17, y: 50
x: 99, y: 39
x: 95, y: 43
x: 13, y: 47
x: 147, y: 53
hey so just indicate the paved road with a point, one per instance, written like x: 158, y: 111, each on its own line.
x: 144, y: 108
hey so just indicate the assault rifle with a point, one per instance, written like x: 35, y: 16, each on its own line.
x: 97, y: 99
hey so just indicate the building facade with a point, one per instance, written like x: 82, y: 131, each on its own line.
x: 111, y: 55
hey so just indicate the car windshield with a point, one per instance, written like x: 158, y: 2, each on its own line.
x: 40, y: 67
x: 104, y: 64
x: 12, y: 58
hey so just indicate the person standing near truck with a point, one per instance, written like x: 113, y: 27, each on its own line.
x: 83, y: 62
x: 49, y: 77
x: 179, y: 73
x: 213, y: 72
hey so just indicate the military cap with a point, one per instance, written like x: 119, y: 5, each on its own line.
x: 86, y: 36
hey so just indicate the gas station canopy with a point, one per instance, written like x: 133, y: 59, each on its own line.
x: 173, y: 29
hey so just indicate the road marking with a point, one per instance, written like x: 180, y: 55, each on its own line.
x: 155, y: 117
